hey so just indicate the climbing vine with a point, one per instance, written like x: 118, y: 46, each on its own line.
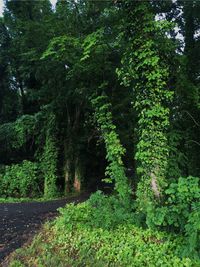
x: 49, y: 159
x: 114, y: 149
x: 146, y: 70
x: 15, y: 134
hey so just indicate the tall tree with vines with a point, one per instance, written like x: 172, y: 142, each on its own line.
x: 144, y: 68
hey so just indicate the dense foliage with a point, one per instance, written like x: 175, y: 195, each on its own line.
x: 78, y: 238
x: 106, y: 95
x: 21, y: 180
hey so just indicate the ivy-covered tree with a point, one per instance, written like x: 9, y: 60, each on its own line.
x: 144, y: 67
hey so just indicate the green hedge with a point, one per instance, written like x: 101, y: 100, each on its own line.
x: 21, y: 180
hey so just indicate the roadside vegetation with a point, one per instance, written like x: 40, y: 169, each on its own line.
x: 100, y: 232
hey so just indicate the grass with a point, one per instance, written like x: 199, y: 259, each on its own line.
x: 40, y: 199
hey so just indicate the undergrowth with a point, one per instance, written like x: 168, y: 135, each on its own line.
x: 100, y: 232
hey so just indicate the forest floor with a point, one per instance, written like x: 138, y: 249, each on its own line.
x: 19, y: 222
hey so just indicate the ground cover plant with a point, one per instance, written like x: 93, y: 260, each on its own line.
x: 90, y: 234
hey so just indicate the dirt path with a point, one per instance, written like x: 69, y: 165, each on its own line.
x: 20, y: 221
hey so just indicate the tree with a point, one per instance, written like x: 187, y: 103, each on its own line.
x: 145, y: 68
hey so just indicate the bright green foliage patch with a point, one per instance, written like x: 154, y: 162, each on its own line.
x: 78, y: 239
x: 114, y: 149
x: 181, y: 213
x: 21, y: 180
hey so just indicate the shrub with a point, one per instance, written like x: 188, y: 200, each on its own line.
x: 78, y: 238
x: 181, y: 212
x: 110, y: 210
x: 20, y: 180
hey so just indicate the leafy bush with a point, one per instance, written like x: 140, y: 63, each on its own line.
x: 181, y: 212
x: 78, y: 238
x: 20, y: 180
x: 110, y: 210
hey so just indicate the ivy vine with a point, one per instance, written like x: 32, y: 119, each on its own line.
x: 146, y: 70
x: 114, y: 149
x: 49, y: 159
